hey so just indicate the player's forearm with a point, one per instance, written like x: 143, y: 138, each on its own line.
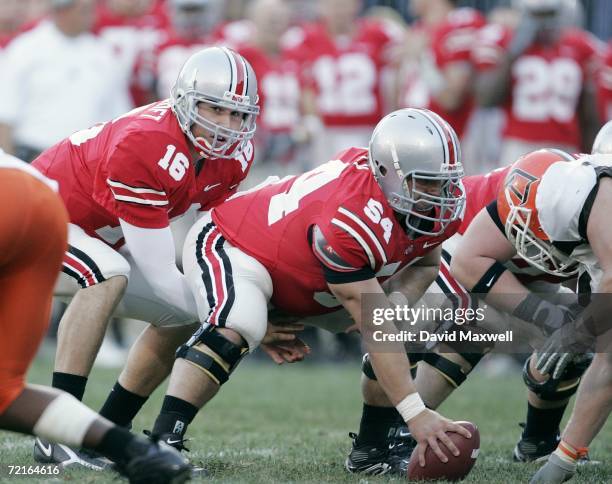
x: 390, y: 362
x: 492, y: 87
x: 456, y: 87
x: 504, y: 294
x: 154, y: 253
x: 593, y: 403
x: 412, y: 282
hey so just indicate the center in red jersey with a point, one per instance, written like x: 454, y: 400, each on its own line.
x: 343, y: 199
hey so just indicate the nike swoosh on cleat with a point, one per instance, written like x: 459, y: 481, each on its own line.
x: 172, y: 442
x: 45, y: 450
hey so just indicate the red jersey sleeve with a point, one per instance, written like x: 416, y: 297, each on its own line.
x: 454, y: 41
x: 355, y: 238
x: 142, y: 175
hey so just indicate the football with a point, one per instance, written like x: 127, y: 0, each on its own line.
x: 456, y: 468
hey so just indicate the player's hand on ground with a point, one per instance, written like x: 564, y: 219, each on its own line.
x: 289, y: 352
x: 555, y: 471
x: 566, y: 344
x: 429, y: 429
x: 282, y: 345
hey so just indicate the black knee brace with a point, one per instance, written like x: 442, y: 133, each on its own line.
x: 217, y: 358
x: 551, y: 389
x: 367, y: 370
x: 451, y: 370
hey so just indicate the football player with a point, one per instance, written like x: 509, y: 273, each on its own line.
x: 190, y: 30
x: 278, y: 76
x: 33, y: 236
x: 383, y: 444
x: 342, y: 58
x: 591, y: 410
x: 384, y: 440
x: 594, y: 400
x: 314, y: 243
x: 542, y: 75
x: 437, y: 72
x: 125, y: 181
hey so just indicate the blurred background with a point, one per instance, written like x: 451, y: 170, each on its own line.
x: 509, y: 75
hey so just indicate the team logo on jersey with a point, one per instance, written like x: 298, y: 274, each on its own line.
x: 519, y: 182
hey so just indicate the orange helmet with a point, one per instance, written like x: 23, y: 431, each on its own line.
x: 517, y: 209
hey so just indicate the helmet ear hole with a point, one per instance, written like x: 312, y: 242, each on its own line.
x: 381, y: 168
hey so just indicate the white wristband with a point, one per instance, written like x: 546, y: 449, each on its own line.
x: 410, y: 406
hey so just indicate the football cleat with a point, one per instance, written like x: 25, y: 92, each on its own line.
x: 177, y: 441
x: 534, y: 449
x: 391, y: 458
x: 47, y: 452
x: 154, y: 463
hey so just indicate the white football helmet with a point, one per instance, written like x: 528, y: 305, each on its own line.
x: 223, y: 78
x: 603, y: 141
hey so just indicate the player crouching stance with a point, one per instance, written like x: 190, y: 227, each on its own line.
x: 594, y: 400
x: 310, y: 244
x: 554, y: 215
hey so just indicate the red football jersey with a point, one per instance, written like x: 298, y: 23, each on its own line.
x: 278, y: 88
x: 481, y: 191
x: 546, y: 83
x: 451, y: 41
x: 343, y: 199
x: 604, y: 86
x: 137, y: 168
x: 344, y: 73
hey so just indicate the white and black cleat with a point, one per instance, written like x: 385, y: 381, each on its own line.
x: 47, y: 452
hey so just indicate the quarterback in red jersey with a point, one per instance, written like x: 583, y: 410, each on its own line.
x: 542, y: 75
x: 127, y: 179
x: 312, y: 243
x: 436, y: 71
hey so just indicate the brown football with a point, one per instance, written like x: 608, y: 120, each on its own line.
x: 457, y: 467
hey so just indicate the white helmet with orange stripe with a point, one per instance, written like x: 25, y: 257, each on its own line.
x: 521, y: 200
x: 223, y: 78
x: 416, y: 159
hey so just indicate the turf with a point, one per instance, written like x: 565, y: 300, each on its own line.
x: 290, y: 424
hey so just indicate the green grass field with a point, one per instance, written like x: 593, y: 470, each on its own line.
x: 290, y: 424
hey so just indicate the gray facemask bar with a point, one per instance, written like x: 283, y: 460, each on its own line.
x: 235, y: 140
x: 448, y: 205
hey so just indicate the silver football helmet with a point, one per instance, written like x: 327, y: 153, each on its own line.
x: 603, y: 141
x: 416, y: 159
x: 193, y: 19
x: 223, y: 78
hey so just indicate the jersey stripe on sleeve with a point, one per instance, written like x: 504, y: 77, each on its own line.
x: 140, y: 195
